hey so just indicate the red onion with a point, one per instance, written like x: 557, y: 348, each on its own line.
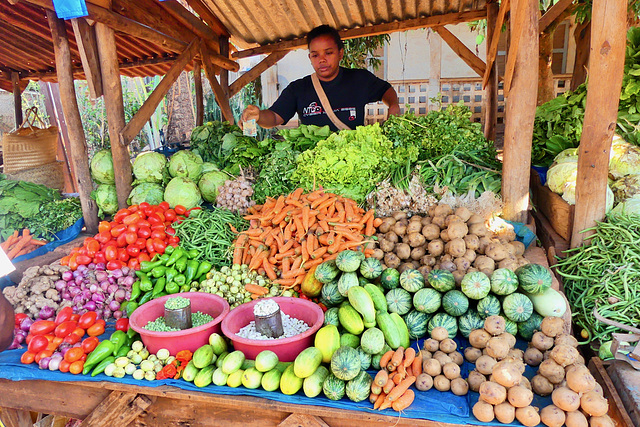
x: 104, y: 285
x: 25, y: 324
x: 114, y: 305
x: 93, y: 288
x: 74, y: 290
x: 44, y: 363
x: 79, y: 280
x: 90, y: 306
x: 98, y: 298
x: 91, y: 266
x: 62, y: 348
x: 101, y: 276
x: 99, y: 313
x: 125, y: 270
x: 46, y: 313
x: 119, y: 295
x: 107, y: 313
x: 112, y: 289
x: 117, y: 273
x: 127, y: 295
x: 54, y: 363
x: 117, y: 314
x: 128, y: 281
x: 67, y: 276
x: 82, y: 268
x: 19, y: 337
x: 61, y: 285
x: 111, y: 279
x: 66, y: 295
x: 100, y: 266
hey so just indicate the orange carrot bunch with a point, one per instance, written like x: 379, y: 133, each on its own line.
x: 390, y: 387
x: 17, y: 245
x: 291, y: 234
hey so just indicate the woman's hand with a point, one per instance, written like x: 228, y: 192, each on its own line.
x: 265, y: 118
x: 250, y: 113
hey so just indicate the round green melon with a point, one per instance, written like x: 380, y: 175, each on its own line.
x: 504, y: 282
x: 349, y: 340
x: 347, y: 281
x: 534, y: 278
x: 330, y: 295
x: 446, y: 321
x: 441, y: 280
x: 510, y: 326
x: 527, y: 328
x: 333, y: 387
x: 489, y: 306
x: 375, y: 359
x: 390, y: 278
x: 416, y: 322
x: 455, y: 303
x: 327, y: 271
x: 372, y: 340
x: 348, y: 261
x: 517, y: 307
x: 475, y: 285
x: 427, y: 300
x: 365, y: 359
x: 359, y: 388
x: 345, y: 363
x: 469, y: 321
x: 371, y: 268
x: 411, y: 280
x: 331, y: 317
x: 398, y: 301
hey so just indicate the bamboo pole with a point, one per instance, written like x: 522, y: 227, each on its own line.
x: 17, y: 98
x: 491, y: 88
x: 79, y: 155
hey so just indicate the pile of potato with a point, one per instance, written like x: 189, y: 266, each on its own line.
x: 441, y: 364
x: 458, y: 241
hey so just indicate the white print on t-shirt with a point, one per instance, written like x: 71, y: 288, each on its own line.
x: 314, y: 109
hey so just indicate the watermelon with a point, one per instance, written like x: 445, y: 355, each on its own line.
x: 333, y: 387
x: 476, y: 285
x: 326, y: 272
x: 362, y: 281
x: 348, y: 261
x: 398, y: 301
x: 417, y: 323
x: 331, y: 316
x: 517, y: 307
x: 469, y: 321
x: 371, y: 268
x: 372, y: 340
x: 359, y: 388
x: 530, y: 326
x: 488, y: 306
x: 330, y: 295
x: 390, y: 278
x: 347, y: 281
x: 441, y: 280
x: 345, y: 363
x: 455, y: 303
x: 365, y: 359
x: 446, y: 321
x: 411, y: 280
x: 426, y: 300
x: 504, y: 282
x: 534, y: 278
x: 510, y: 326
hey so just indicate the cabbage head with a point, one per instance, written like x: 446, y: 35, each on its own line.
x: 102, y: 167
x: 626, y: 187
x: 186, y: 164
x: 182, y: 191
x: 569, y: 192
x: 631, y: 206
x: 561, y: 173
x: 568, y: 155
x: 106, y: 198
x: 210, y: 183
x: 624, y: 158
x: 149, y: 192
x: 209, y: 167
x: 149, y: 166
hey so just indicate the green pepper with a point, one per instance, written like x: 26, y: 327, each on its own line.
x: 124, y: 350
x: 192, y: 269
x: 185, y: 288
x: 158, y: 271
x: 169, y: 250
x: 203, y: 268
x: 123, y: 306
x: 180, y: 279
x: 147, y: 266
x: 132, y: 335
x: 193, y: 253
x: 170, y: 273
x: 145, y: 283
x: 146, y: 297
x: 163, y: 258
x: 172, y: 288
x: 159, y: 286
x: 175, y: 256
x: 161, y: 294
x: 131, y: 307
x: 101, y: 352
x: 181, y: 264
x: 135, y: 291
x: 100, y: 366
x: 118, y: 338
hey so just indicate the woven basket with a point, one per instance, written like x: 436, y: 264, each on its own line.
x: 51, y: 175
x: 29, y: 146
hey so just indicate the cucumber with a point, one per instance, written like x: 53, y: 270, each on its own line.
x: 350, y: 320
x: 312, y: 385
x: 360, y: 299
x: 403, y: 331
x: 379, y: 301
x: 389, y: 329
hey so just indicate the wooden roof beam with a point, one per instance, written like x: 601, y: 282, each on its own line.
x: 207, y: 16
x: 220, y: 96
x: 462, y: 50
x: 255, y: 72
x: 493, y: 47
x: 553, y: 13
x: 88, y: 49
x: 191, y: 22
x: 372, y: 30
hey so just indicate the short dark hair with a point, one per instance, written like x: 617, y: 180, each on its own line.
x: 323, y: 30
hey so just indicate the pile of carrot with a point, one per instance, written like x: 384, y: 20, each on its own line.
x: 17, y: 245
x: 390, y: 387
x: 291, y: 234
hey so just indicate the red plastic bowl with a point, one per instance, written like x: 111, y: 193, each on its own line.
x: 286, y: 348
x: 188, y: 339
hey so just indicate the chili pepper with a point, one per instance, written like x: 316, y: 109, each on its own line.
x: 145, y: 283
x: 181, y: 264
x: 169, y: 251
x: 146, y: 297
x: 132, y: 335
x: 118, y: 338
x: 170, y: 273
x: 184, y: 356
x: 175, y: 256
x: 147, y: 266
x: 135, y: 291
x: 163, y: 258
x: 203, y: 268
x: 100, y: 366
x: 158, y: 271
x: 159, y: 286
x: 124, y: 350
x: 180, y: 279
x: 172, y: 288
x: 161, y: 294
x: 131, y: 307
x: 101, y: 352
x: 192, y: 269
x: 193, y: 253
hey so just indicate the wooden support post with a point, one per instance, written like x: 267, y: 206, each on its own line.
x: 114, y: 106
x: 520, y: 112
x: 197, y: 81
x: 221, y: 99
x: 491, y: 88
x: 463, y: 52
x: 553, y: 13
x: 435, y: 68
x: 492, y: 42
x: 15, y: 418
x: 146, y: 110
x: 608, y: 40
x: 17, y: 98
x: 88, y: 49
x: 224, y: 74
x: 255, y: 72
x: 118, y: 409
x: 582, y: 37
x: 78, y: 142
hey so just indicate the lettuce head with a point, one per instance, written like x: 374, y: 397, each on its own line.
x: 561, y: 173
x: 624, y: 158
x: 182, y: 191
x: 210, y: 183
x: 185, y: 164
x: 106, y: 198
x: 102, y: 167
x: 149, y: 166
x: 568, y: 155
x: 149, y: 192
x: 631, y: 206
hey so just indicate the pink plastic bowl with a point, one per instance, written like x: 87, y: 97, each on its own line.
x: 286, y: 348
x: 188, y: 339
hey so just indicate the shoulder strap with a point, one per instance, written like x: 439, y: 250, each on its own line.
x: 326, y: 105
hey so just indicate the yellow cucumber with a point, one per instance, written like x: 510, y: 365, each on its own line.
x: 360, y: 299
x: 350, y: 319
x: 403, y: 331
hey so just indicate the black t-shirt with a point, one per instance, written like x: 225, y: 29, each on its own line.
x: 348, y: 93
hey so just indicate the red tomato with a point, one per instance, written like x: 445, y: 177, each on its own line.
x: 73, y: 354
x: 144, y: 232
x: 89, y: 344
x: 121, y: 214
x: 140, y: 243
x: 180, y: 210
x: 154, y: 219
x: 52, y: 346
x: 73, y: 263
x: 170, y: 231
x: 158, y: 227
x: 158, y: 234
x: 95, y: 330
x: 38, y: 343
x: 83, y: 260
x: 133, y: 227
x: 143, y: 223
x: 133, y: 251
x: 118, y: 230
x: 133, y: 264
x: 65, y: 260
x: 64, y: 315
x: 130, y: 237
x: 27, y: 357
x: 123, y: 255
x: 72, y: 338
x: 143, y: 257
x: 104, y: 226
x: 28, y: 339
x: 161, y: 216
x: 65, y: 328
x: 87, y: 319
x: 102, y: 322
x: 110, y: 253
x: 170, y: 215
x: 82, y: 251
x: 57, y: 341
x: 64, y: 366
x: 173, y: 240
x: 159, y: 246
x: 114, y: 265
x: 122, y: 324
x: 93, y: 245
x: 19, y: 317
x: 149, y: 245
x: 100, y: 258
x: 163, y: 205
x: 103, y: 236
x: 42, y: 327
x: 121, y: 240
x: 131, y: 219
x: 43, y: 353
x: 84, y: 357
x: 76, y: 367
x: 75, y: 317
x: 144, y: 205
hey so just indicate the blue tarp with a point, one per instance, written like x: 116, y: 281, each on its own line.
x: 67, y: 9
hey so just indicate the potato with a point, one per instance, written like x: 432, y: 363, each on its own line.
x: 566, y: 339
x: 442, y: 357
x: 484, y: 263
x: 532, y: 356
x: 528, y: 416
x: 457, y: 358
x: 483, y: 411
x: 406, y: 266
x: 426, y: 354
x: 580, y: 379
x: 551, y: 371
x: 399, y: 215
x: 442, y: 210
x: 431, y: 231
x: 446, y: 257
x: 479, y: 338
x: 482, y: 244
x: 432, y: 344
x: 448, y: 265
x: 462, y: 263
x: 485, y: 364
x: 439, y: 221
x: 444, y: 236
x: 452, y: 218
x: 505, y: 413
x: 442, y: 383
x: 425, y: 220
x: 594, y: 404
x: 576, y: 419
x: 415, y: 239
x: 459, y: 386
x: 516, y: 354
x: 456, y: 248
x: 601, y: 421
x: 448, y: 345
x: 511, y: 340
x: 518, y: 246
x: 552, y: 416
x: 506, y: 373
x: 598, y: 389
x: 391, y: 260
x: 479, y: 229
x: 463, y: 213
x: 386, y: 245
x: 392, y: 237
x: 552, y: 326
x: 400, y: 228
x: 428, y: 260
x: 439, y: 333
x: 469, y: 255
x: 424, y: 382
x: 451, y: 370
x: 494, y: 325
x: 414, y: 226
x: 519, y: 396
x: 458, y: 275
x: 496, y: 251
x: 474, y: 379
x: 524, y: 382
x: 403, y: 251
x: 510, y: 262
x: 471, y: 241
x: 435, y: 247
x: 564, y: 355
x: 472, y: 354
x: 541, y: 341
x: 541, y: 385
x: 418, y: 253
x: 498, y: 348
x: 387, y: 224
x: 566, y: 399
x: 431, y: 367
x: 492, y: 393
x: 457, y: 230
x: 378, y: 254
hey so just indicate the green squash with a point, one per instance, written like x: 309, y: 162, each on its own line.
x: 390, y: 278
x: 371, y: 268
x: 475, y: 285
x: 345, y: 363
x: 333, y: 387
x: 411, y: 280
x: 348, y: 261
x: 398, y: 301
x: 359, y: 388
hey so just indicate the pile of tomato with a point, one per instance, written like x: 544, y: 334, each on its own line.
x: 134, y: 235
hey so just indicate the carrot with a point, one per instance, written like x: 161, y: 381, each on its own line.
x: 287, y: 254
x: 402, y: 371
x: 410, y: 372
x: 297, y: 193
x: 312, y: 243
x: 305, y: 251
x: 373, y: 397
x: 397, y: 358
x: 379, y: 400
x: 409, y: 355
x: 19, y: 245
x: 317, y: 202
x: 404, y: 401
x: 256, y: 289
x: 285, y: 282
x: 416, y: 366
x: 397, y: 378
x: 398, y: 390
x: 375, y: 388
x: 311, y: 262
x: 386, y: 404
x: 381, y: 377
x: 369, y: 229
x: 279, y: 205
x: 268, y: 268
x: 319, y: 252
x: 241, y: 241
x: 390, y: 385
x: 377, y: 222
x: 293, y: 273
x: 384, y: 360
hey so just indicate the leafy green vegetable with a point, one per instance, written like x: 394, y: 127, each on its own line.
x: 149, y: 166
x: 102, y: 167
x: 149, y: 192
x: 275, y: 175
x: 305, y: 137
x: 186, y: 164
x: 55, y: 216
x: 182, y: 191
x: 106, y: 198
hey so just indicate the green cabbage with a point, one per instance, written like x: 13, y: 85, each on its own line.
x: 631, y: 206
x: 106, y: 198
x: 210, y: 183
x: 561, y: 173
x: 568, y: 155
x: 102, y: 167
x: 149, y: 166
x: 569, y: 195
x: 624, y: 158
x: 626, y: 187
x: 149, y: 192
x: 209, y: 167
x: 186, y: 164
x: 182, y: 191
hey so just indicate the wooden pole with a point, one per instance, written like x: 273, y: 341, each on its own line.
x: 78, y: 142
x: 17, y: 98
x: 221, y: 99
x: 520, y: 112
x: 582, y: 36
x: 114, y: 106
x: 88, y: 50
x: 435, y: 68
x: 463, y: 52
x: 197, y: 80
x: 491, y: 89
x: 608, y: 39
x: 224, y: 74
x: 255, y: 72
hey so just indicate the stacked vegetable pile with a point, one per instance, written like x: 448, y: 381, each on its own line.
x: 237, y: 284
